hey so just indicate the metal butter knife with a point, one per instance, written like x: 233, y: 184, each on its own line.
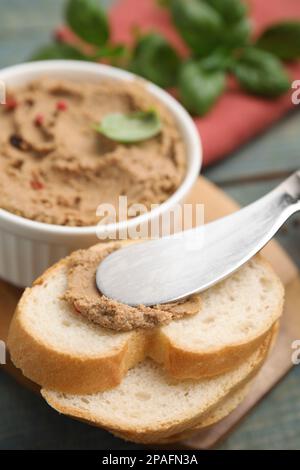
x: 172, y: 268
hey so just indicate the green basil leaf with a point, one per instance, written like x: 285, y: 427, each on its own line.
x: 236, y: 25
x: 232, y: 11
x: 88, y: 20
x: 237, y: 35
x: 220, y: 59
x: 199, y: 24
x: 282, y: 39
x: 155, y: 59
x: 130, y: 128
x: 199, y: 88
x: 58, y: 51
x: 261, y: 73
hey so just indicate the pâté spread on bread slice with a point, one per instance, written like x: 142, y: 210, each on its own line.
x: 57, y: 344
x: 83, y: 294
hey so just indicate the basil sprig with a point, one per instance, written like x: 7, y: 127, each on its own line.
x: 130, y: 128
x: 218, y: 35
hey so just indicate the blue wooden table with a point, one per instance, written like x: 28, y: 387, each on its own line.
x: 26, y: 422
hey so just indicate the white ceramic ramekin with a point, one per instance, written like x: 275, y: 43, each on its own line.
x: 28, y: 247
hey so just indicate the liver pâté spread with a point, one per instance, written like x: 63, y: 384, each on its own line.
x: 83, y: 295
x: 56, y: 168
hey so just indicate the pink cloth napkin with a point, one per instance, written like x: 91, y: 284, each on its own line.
x: 237, y: 117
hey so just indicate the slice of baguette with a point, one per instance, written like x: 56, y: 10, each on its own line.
x: 148, y: 406
x: 59, y: 349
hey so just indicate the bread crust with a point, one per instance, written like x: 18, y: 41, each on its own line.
x: 183, y: 364
x: 79, y: 374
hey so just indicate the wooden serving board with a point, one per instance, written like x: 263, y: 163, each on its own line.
x: 217, y: 204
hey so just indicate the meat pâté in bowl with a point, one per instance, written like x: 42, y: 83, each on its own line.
x: 58, y: 164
